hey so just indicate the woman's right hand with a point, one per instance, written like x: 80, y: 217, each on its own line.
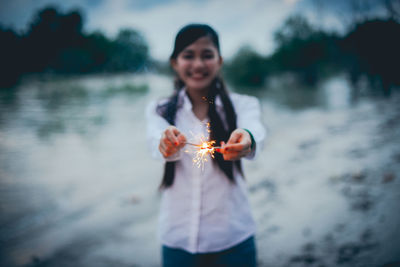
x: 172, y: 140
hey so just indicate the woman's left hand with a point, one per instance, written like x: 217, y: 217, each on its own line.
x: 238, y: 145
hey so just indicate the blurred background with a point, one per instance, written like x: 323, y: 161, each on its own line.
x: 78, y: 186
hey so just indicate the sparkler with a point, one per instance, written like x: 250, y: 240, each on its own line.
x: 203, y: 149
x: 200, y: 156
x: 204, y: 145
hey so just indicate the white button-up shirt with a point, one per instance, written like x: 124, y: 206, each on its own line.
x: 203, y: 211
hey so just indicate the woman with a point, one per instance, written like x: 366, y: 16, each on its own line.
x: 205, y: 216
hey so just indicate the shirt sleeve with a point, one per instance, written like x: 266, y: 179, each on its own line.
x: 248, y: 110
x: 156, y: 125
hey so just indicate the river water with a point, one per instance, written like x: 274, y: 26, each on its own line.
x: 78, y: 186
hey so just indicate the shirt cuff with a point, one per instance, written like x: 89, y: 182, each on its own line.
x: 253, y: 146
x: 174, y: 157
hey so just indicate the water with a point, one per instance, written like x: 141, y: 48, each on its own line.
x: 79, y: 188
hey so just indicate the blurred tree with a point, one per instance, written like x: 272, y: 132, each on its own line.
x: 55, y: 43
x: 393, y: 8
x: 50, y: 34
x: 97, y: 49
x: 372, y: 50
x: 303, y: 50
x: 246, y: 68
x: 10, y: 63
x: 294, y: 28
x: 352, y: 12
x: 129, y: 51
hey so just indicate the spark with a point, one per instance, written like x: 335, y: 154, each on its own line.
x: 201, y: 156
x: 203, y: 149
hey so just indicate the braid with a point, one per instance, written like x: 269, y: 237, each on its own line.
x: 218, y: 131
x: 168, y: 112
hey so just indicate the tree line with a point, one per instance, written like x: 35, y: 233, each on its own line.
x: 370, y: 50
x: 55, y: 43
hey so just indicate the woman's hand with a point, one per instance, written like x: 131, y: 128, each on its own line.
x: 171, y: 141
x: 238, y: 145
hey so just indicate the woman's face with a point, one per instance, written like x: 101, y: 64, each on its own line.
x: 198, y: 64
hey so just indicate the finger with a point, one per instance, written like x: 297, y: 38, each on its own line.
x: 232, y: 156
x: 167, y: 145
x: 230, y: 148
x: 162, y: 149
x: 170, y: 134
x: 235, y: 137
x: 221, y: 150
x: 176, y: 133
x: 181, y: 140
x: 167, y: 150
x: 174, y: 130
x: 166, y: 142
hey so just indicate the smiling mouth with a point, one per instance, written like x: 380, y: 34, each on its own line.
x: 198, y: 76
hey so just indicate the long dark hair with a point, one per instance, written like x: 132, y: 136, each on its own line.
x: 186, y: 36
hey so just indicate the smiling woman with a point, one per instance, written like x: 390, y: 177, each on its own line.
x: 198, y: 64
x: 205, y: 217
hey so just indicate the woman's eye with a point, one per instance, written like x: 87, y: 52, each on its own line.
x: 188, y: 56
x: 208, y: 56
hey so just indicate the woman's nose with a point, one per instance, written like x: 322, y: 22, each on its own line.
x: 198, y: 63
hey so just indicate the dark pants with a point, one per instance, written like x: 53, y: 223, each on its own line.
x: 241, y: 255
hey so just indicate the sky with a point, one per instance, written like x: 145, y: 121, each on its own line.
x: 238, y: 22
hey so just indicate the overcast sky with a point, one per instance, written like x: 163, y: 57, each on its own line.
x: 238, y: 22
